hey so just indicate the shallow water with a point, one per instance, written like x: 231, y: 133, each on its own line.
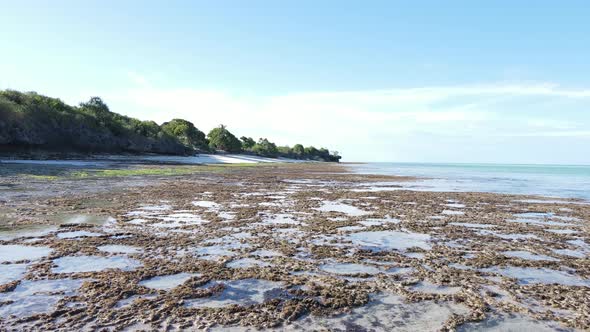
x: 332, y: 206
x: 168, y: 282
x: 120, y: 249
x: 246, y: 263
x: 515, y: 322
x: 566, y: 181
x: 243, y: 292
x: 528, y: 255
x: 349, y: 268
x: 77, y: 234
x: 12, y: 272
x: 471, y: 225
x: 15, y: 253
x: 428, y: 287
x: 384, y: 312
x: 38, y: 296
x: 14, y: 232
x: 76, y: 264
x: 388, y: 240
x: 539, y: 275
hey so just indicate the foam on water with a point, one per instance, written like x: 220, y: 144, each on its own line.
x: 168, y: 282
x: 243, y: 292
x: 387, y: 240
x: 76, y: 264
x: 15, y: 253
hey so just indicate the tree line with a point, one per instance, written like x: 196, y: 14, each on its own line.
x: 34, y: 120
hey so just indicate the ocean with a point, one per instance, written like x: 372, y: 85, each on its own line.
x: 562, y: 181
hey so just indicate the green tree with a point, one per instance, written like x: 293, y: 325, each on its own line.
x: 265, y: 148
x: 298, y: 150
x: 247, y: 142
x: 222, y: 139
x: 186, y: 133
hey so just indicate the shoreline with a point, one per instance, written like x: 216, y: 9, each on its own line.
x: 322, y: 243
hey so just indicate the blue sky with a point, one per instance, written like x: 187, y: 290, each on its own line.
x: 429, y: 81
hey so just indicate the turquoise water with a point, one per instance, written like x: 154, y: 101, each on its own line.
x: 566, y: 181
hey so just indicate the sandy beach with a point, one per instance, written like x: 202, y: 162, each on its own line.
x: 307, y: 246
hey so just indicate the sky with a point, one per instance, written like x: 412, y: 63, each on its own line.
x: 407, y: 81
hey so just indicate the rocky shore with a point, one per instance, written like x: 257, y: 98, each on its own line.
x: 285, y: 247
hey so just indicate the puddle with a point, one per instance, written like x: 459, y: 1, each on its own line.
x: 88, y: 219
x: 266, y: 253
x: 243, y: 292
x: 333, y: 206
x: 569, y: 252
x: 279, y: 219
x: 15, y: 253
x: 539, y: 275
x: 513, y: 322
x: 428, y: 287
x: 400, y: 270
x: 452, y: 213
x: 12, y: 272
x: 246, y: 263
x: 455, y: 205
x: 168, y: 282
x: 77, y: 234
x: 9, y: 233
x: 471, y: 225
x: 537, y: 218
x: 206, y: 204
x: 76, y: 264
x: 509, y: 236
x: 528, y: 255
x: 120, y: 249
x: 385, y: 312
x: 37, y: 297
x: 129, y: 301
x: 349, y: 268
x: 350, y: 228
x: 387, y: 240
x: 213, y: 252
x: 562, y: 231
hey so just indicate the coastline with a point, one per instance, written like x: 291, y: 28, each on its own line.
x: 296, y: 226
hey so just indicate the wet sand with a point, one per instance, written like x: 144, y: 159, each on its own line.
x: 286, y: 247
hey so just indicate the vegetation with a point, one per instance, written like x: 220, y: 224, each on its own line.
x: 33, y: 121
x: 187, y: 133
x: 222, y: 139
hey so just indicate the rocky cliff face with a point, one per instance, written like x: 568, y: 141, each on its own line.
x: 40, y: 136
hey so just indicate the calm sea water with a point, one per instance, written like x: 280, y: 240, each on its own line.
x: 546, y: 180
